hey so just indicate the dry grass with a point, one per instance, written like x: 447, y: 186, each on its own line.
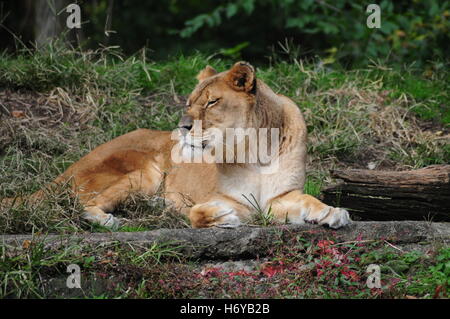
x: 59, y: 211
x: 382, y: 131
x: 42, y: 134
x: 150, y: 212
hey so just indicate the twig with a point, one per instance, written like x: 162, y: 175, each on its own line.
x: 395, y: 247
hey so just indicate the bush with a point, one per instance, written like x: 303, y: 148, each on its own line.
x: 410, y: 31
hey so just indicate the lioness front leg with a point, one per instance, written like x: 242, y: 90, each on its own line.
x: 219, y: 211
x: 299, y: 208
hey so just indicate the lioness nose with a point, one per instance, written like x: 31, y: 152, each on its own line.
x: 186, y: 122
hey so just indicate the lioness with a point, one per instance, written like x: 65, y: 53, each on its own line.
x: 142, y: 160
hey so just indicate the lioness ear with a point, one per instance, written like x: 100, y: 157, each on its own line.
x: 207, y: 72
x: 241, y: 77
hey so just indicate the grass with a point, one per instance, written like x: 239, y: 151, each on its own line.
x: 294, y: 269
x: 58, y: 104
x: 42, y: 273
x: 260, y: 217
x: 364, y: 113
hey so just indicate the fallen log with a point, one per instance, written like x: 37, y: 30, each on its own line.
x: 422, y: 194
x: 242, y: 242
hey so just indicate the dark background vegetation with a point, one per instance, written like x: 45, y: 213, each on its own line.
x: 411, y: 31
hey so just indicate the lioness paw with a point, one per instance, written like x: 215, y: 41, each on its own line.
x: 111, y: 222
x: 97, y: 216
x: 213, y: 214
x: 332, y: 217
x: 337, y: 218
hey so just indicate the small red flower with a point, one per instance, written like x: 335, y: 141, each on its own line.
x: 350, y: 275
x: 238, y: 273
x: 324, y: 243
x: 271, y: 271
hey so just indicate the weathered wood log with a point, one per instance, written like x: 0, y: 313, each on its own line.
x: 242, y: 242
x: 421, y: 194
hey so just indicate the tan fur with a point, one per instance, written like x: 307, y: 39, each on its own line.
x: 138, y: 161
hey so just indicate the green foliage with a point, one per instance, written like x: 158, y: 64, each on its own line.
x: 39, y: 272
x: 260, y: 216
x: 410, y: 31
x: 22, y: 274
x: 214, y: 18
x: 414, y: 272
x: 58, y: 66
x: 178, y: 74
x: 313, y: 186
x: 433, y: 87
x: 434, y: 281
x: 155, y: 253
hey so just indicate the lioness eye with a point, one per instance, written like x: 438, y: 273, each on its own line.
x: 212, y: 102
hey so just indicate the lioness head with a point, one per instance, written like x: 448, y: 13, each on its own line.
x: 220, y: 101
